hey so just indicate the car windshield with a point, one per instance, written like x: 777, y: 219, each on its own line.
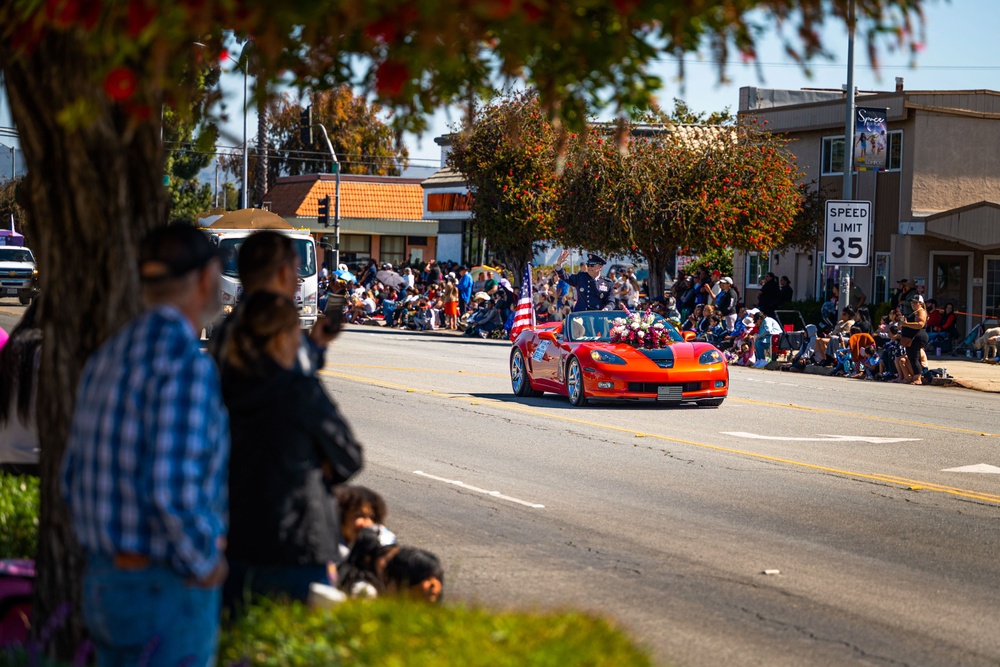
x: 230, y: 251
x: 15, y: 255
x: 596, y: 326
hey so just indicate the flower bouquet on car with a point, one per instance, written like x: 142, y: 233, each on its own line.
x: 640, y: 330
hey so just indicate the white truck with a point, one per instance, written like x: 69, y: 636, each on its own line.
x: 18, y: 274
x: 307, y: 293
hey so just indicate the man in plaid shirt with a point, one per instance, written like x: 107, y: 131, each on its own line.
x: 146, y: 464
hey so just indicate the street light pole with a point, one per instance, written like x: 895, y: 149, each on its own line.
x: 849, y: 111
x: 244, y: 64
x: 336, y: 198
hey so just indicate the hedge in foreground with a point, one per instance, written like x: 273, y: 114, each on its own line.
x: 396, y: 633
x: 18, y: 516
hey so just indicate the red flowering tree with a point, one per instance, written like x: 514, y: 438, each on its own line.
x: 668, y: 187
x: 87, y: 81
x: 508, y: 159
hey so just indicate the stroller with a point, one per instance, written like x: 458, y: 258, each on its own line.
x: 959, y: 348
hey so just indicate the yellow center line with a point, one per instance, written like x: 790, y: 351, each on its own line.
x: 733, y: 399
x: 890, y: 420
x: 514, y: 407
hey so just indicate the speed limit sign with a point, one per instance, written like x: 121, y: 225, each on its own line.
x: 848, y: 228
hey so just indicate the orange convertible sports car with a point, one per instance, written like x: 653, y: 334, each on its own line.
x: 576, y: 358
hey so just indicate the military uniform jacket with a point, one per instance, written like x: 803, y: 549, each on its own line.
x: 591, y: 294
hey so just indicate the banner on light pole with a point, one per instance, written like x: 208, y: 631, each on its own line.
x: 871, y: 139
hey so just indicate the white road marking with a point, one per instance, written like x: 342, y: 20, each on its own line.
x: 780, y: 384
x: 823, y: 437
x: 979, y: 467
x: 495, y: 494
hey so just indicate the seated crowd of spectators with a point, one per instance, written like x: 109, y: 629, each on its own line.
x: 706, y: 303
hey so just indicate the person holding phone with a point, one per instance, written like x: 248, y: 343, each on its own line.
x: 290, y: 447
x: 268, y: 262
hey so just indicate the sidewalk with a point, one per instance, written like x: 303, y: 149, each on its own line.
x: 969, y: 373
x: 965, y: 372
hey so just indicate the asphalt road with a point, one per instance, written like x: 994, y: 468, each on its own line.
x: 666, y: 519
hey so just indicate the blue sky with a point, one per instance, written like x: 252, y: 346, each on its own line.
x: 960, y: 53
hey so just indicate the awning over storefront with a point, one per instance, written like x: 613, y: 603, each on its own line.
x: 976, y: 225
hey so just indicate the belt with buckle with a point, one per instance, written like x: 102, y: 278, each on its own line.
x: 131, y: 561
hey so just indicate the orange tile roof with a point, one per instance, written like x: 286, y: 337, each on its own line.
x: 373, y: 199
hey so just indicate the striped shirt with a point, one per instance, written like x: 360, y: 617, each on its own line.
x: 146, y: 463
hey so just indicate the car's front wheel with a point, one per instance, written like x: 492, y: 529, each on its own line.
x: 519, y: 380
x: 574, y: 383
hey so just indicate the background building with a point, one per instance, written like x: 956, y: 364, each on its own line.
x: 380, y: 216
x: 936, y: 207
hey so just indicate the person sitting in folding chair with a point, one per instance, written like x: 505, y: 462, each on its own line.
x: 767, y: 328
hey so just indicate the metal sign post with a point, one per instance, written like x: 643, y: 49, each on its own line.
x: 848, y: 238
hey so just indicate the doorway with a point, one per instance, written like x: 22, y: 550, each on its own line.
x: 950, y: 281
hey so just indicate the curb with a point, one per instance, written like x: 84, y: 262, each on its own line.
x: 828, y: 371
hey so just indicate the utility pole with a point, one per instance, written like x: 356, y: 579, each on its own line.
x: 849, y: 111
x: 848, y: 182
x: 336, y: 199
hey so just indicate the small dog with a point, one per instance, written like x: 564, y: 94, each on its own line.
x: 988, y: 342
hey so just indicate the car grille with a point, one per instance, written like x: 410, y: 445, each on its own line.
x: 654, y: 387
x: 16, y: 273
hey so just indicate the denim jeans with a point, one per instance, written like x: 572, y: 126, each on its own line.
x: 151, y: 617
x: 762, y: 346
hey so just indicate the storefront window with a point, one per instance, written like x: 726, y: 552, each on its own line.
x: 393, y: 249
x: 991, y: 294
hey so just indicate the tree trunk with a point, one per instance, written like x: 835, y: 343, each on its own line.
x: 94, y: 190
x: 657, y: 267
x: 260, y: 169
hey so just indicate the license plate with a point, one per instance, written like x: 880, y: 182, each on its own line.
x: 669, y: 393
x: 11, y: 291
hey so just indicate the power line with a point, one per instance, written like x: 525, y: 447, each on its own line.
x: 827, y: 65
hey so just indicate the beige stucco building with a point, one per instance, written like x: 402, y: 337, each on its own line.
x: 936, y: 206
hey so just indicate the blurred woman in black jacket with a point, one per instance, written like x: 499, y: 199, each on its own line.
x: 289, y: 447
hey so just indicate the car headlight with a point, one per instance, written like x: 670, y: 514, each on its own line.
x: 710, y: 357
x: 307, y: 310
x: 603, y: 357
x: 227, y: 309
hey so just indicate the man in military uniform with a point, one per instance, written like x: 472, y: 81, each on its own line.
x: 593, y: 292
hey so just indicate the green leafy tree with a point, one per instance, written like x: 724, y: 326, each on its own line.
x: 12, y: 192
x: 508, y: 158
x: 363, y: 142
x: 669, y: 187
x: 189, y: 139
x: 86, y: 81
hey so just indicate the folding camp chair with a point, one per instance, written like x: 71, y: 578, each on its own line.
x: 793, y: 330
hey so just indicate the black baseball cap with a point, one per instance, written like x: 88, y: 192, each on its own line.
x: 173, y: 251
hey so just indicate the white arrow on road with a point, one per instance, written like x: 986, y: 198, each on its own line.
x: 822, y: 437
x: 979, y: 467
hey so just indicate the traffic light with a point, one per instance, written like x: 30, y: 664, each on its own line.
x: 324, y: 211
x: 306, y: 126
